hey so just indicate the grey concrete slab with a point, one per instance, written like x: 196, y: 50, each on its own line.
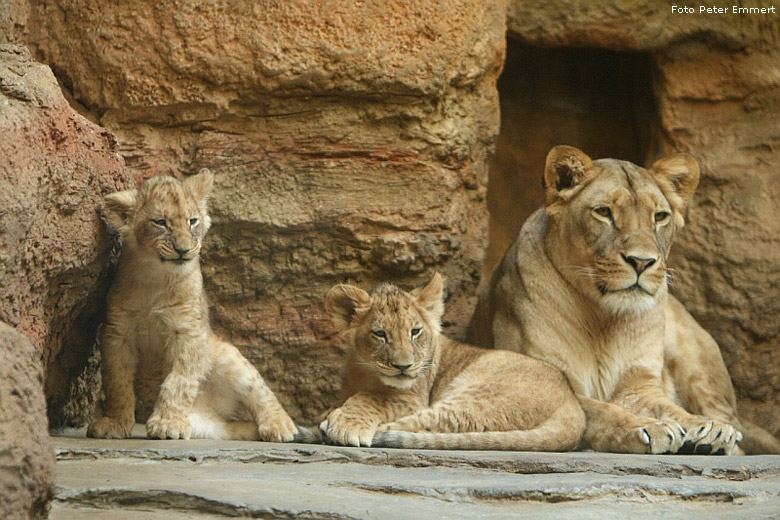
x: 139, y: 478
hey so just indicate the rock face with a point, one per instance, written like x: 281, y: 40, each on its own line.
x: 26, y: 458
x: 349, y: 143
x: 705, y: 84
x: 55, y: 166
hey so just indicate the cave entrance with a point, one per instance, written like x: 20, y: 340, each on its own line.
x: 597, y: 100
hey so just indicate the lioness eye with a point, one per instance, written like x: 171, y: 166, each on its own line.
x: 416, y: 332
x: 379, y: 334
x: 194, y: 221
x: 661, y: 216
x: 603, y: 211
x: 159, y: 221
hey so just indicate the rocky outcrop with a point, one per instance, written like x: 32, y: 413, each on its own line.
x: 705, y: 84
x: 26, y: 458
x: 349, y: 142
x: 55, y: 166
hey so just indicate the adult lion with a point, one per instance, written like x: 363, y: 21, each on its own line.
x: 584, y: 287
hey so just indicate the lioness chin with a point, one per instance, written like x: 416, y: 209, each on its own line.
x: 584, y: 287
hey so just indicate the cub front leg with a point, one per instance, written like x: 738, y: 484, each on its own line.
x: 234, y: 374
x: 118, y: 366
x: 612, y: 428
x: 641, y: 392
x: 188, y: 355
x: 356, y: 421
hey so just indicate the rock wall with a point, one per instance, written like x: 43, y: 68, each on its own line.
x: 55, y: 166
x: 349, y: 143
x: 714, y: 93
x: 26, y: 458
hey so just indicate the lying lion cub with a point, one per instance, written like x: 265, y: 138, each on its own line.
x: 422, y: 390
x: 584, y: 287
x: 157, y: 336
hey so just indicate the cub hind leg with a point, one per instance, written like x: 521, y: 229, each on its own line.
x: 235, y: 384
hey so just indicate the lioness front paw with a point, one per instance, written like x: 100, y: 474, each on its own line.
x: 656, y: 437
x: 158, y: 427
x: 277, y: 428
x: 108, y: 428
x: 710, y: 437
x: 347, y: 431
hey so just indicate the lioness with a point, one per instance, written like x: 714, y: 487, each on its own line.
x: 420, y: 389
x: 157, y: 336
x: 584, y: 287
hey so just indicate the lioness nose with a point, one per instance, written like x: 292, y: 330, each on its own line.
x: 639, y: 264
x: 401, y: 367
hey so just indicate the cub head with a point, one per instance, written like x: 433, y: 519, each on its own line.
x: 165, y: 219
x: 611, y: 224
x: 392, y: 332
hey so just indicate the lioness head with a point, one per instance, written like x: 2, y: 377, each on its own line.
x: 611, y: 224
x: 393, y: 332
x: 165, y: 219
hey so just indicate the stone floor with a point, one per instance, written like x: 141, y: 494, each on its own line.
x: 142, y: 479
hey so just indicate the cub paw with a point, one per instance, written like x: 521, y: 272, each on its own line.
x: 277, y: 428
x: 410, y: 423
x: 107, y: 428
x: 347, y: 431
x: 658, y: 437
x: 158, y: 427
x: 710, y: 437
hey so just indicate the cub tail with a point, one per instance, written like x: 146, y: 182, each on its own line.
x: 561, y: 432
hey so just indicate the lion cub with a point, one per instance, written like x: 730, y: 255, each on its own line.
x: 157, y: 343
x: 420, y: 389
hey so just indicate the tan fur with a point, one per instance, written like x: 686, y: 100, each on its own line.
x: 419, y: 389
x: 157, y: 346
x: 649, y: 378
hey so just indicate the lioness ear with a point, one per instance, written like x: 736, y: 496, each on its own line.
x: 565, y: 168
x: 119, y: 207
x: 677, y: 176
x: 431, y: 296
x: 344, y: 302
x: 200, y: 184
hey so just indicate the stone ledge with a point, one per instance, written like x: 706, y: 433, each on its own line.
x: 162, y: 479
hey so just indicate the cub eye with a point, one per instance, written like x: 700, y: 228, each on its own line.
x: 159, y: 222
x: 661, y: 216
x: 603, y: 211
x: 194, y: 221
x: 416, y: 332
x: 379, y: 334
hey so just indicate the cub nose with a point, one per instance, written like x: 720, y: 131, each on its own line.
x: 401, y: 367
x: 639, y: 264
x: 180, y: 252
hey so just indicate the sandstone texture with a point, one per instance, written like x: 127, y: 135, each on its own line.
x: 707, y: 84
x: 133, y: 478
x: 55, y: 166
x: 349, y: 143
x: 26, y: 457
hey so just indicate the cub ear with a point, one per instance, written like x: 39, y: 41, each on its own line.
x: 200, y: 184
x: 119, y: 207
x: 677, y: 176
x: 344, y: 302
x: 431, y: 296
x: 565, y: 168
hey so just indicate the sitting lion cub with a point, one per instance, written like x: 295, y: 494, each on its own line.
x: 157, y: 342
x: 584, y: 287
x: 423, y: 390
